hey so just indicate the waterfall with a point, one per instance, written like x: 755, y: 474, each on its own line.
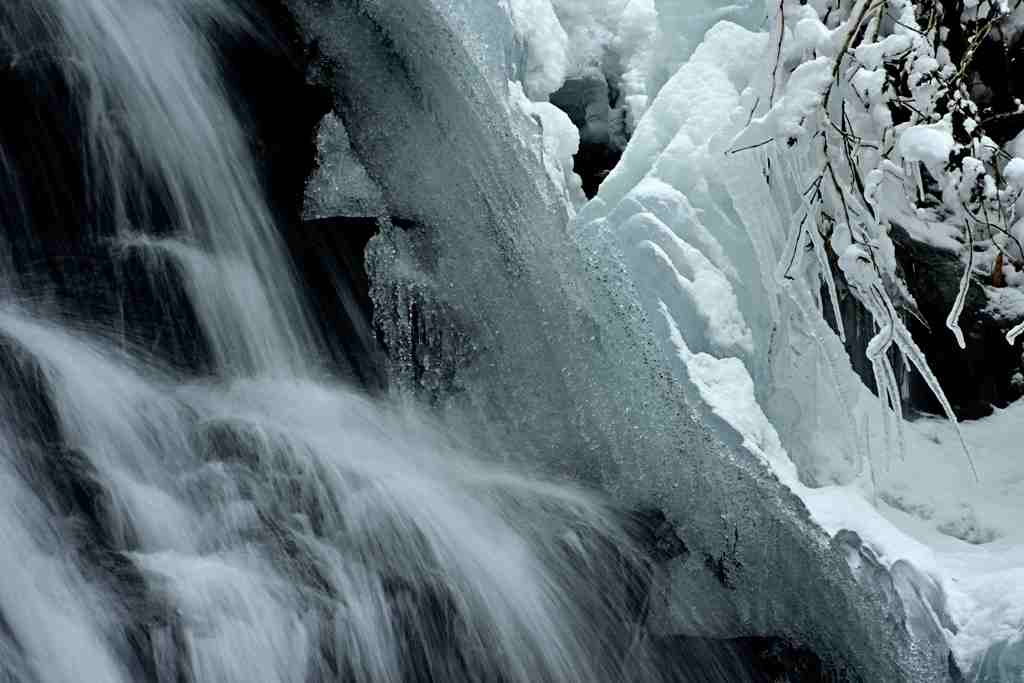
x: 183, y: 496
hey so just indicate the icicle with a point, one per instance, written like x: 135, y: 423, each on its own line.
x: 914, y: 354
x: 793, y: 254
x: 876, y: 352
x: 953, y: 319
x: 876, y: 369
x: 814, y: 320
x: 1012, y: 335
x: 759, y: 219
x: 897, y: 406
x: 879, y: 354
x: 920, y: 182
x: 868, y: 459
x: 826, y: 270
x: 864, y: 281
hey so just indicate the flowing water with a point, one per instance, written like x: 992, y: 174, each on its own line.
x: 181, y: 498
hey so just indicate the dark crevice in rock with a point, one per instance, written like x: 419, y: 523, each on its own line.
x: 329, y: 254
x: 590, y: 102
x: 278, y: 107
x: 282, y: 108
x: 747, y: 660
x: 654, y: 532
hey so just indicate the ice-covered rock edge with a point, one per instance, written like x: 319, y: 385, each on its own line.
x: 551, y: 333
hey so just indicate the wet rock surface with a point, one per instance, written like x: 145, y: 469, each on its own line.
x: 976, y: 378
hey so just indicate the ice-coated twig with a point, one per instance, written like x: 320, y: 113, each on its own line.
x: 792, y: 255
x: 885, y: 379
x: 883, y: 391
x: 897, y: 404
x: 916, y: 357
x: 953, y: 319
x: 1012, y: 335
x: 867, y: 285
x: 826, y: 273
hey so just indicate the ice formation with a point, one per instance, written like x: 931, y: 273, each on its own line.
x: 734, y: 408
x: 685, y: 286
x: 665, y: 342
x: 739, y: 142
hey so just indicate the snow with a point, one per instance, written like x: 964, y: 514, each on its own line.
x: 690, y: 275
x: 973, y: 530
x: 1014, y: 172
x: 638, y: 44
x: 726, y: 386
x: 702, y: 95
x: 677, y: 203
x: 873, y: 55
x: 559, y: 141
x: 547, y: 46
x: 786, y: 119
x: 928, y: 144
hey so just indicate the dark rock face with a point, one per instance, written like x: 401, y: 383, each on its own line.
x: 58, y: 237
x: 713, y: 660
x: 329, y: 257
x: 265, y: 69
x: 281, y: 109
x: 61, y: 245
x: 974, y: 379
x: 753, y: 660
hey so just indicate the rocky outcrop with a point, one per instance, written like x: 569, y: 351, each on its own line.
x: 976, y: 378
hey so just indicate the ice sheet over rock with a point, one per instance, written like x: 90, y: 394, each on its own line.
x: 340, y: 185
x: 559, y: 344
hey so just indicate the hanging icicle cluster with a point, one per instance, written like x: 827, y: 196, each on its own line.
x: 877, y: 95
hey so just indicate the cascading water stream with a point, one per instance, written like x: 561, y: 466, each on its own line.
x: 239, y: 521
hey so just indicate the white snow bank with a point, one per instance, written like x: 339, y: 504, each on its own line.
x: 546, y: 43
x: 717, y: 224
x: 928, y: 144
x: 695, y: 104
x: 559, y: 141
x: 790, y: 114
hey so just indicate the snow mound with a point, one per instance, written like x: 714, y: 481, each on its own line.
x: 715, y: 174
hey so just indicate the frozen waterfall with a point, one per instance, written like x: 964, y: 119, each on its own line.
x: 612, y: 439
